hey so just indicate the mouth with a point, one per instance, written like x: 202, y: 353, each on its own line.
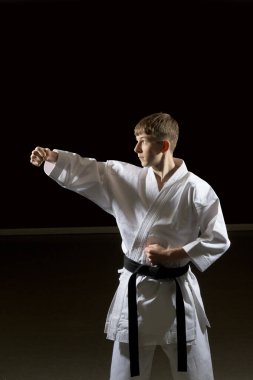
x: 142, y: 160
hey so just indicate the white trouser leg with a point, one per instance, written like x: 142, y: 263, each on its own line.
x: 120, y: 367
x: 199, y: 362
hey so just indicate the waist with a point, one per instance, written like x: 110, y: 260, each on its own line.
x: 157, y: 272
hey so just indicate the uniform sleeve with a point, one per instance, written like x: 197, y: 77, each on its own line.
x: 213, y: 239
x: 85, y: 176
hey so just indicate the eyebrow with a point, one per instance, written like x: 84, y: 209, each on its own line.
x: 150, y: 138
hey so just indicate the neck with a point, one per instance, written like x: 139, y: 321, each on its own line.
x: 162, y: 175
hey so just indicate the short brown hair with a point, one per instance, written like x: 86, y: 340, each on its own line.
x: 160, y: 125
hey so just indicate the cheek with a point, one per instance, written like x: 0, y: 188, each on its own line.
x: 150, y: 153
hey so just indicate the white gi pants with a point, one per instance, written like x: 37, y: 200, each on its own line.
x: 199, y: 363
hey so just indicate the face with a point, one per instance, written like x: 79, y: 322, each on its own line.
x: 149, y: 150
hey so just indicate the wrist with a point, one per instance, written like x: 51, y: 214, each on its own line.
x: 176, y: 254
x: 52, y: 156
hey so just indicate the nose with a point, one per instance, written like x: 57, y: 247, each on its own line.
x: 137, y: 148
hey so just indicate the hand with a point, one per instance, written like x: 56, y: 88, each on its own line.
x: 39, y: 155
x: 158, y: 255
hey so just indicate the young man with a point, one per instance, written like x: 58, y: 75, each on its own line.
x: 168, y: 219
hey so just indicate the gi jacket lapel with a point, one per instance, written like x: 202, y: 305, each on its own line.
x: 159, y: 200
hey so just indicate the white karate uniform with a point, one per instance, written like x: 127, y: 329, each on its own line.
x: 185, y: 213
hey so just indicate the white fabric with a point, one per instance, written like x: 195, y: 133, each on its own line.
x: 191, y: 218
x: 199, y: 363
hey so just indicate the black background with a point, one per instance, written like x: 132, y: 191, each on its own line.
x: 79, y: 75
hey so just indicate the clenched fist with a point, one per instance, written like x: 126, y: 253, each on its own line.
x: 39, y: 155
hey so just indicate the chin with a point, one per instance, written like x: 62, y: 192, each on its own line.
x: 144, y: 163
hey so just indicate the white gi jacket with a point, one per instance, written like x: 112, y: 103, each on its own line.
x: 185, y: 213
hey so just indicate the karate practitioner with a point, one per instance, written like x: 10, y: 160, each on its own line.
x: 169, y: 219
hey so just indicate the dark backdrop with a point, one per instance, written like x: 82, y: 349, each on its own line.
x: 79, y: 75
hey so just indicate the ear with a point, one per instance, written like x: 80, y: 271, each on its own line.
x: 165, y: 146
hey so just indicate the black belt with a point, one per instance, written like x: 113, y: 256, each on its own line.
x: 158, y: 273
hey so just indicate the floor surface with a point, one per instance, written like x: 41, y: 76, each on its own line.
x: 55, y: 292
